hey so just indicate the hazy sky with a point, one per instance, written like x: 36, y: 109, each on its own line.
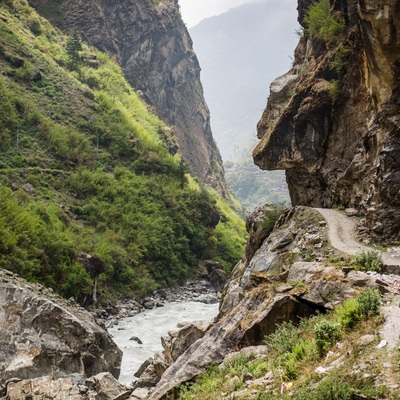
x: 193, y: 11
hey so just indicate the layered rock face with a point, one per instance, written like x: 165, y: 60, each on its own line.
x: 43, y: 335
x: 332, y: 122
x: 153, y: 47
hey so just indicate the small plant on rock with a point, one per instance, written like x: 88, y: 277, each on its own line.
x: 322, y: 23
x: 271, y: 216
x: 369, y: 261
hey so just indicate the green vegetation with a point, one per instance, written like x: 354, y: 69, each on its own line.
x: 292, y: 355
x: 73, y: 47
x: 322, y: 23
x: 271, y: 216
x: 85, y: 168
x: 369, y: 261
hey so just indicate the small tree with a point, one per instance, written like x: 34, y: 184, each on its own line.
x: 74, y: 46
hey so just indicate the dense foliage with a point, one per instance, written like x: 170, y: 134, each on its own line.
x: 86, y: 168
x: 322, y: 23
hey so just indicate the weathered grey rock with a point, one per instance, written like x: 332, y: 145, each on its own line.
x: 139, y: 394
x: 149, y: 378
x: 42, y: 334
x: 177, y: 342
x: 351, y: 212
x: 366, y: 340
x: 323, y: 284
x: 251, y: 352
x: 255, y: 317
x: 218, y: 279
x: 107, y: 387
x: 45, y: 388
x: 361, y: 279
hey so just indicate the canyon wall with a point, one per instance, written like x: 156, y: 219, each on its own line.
x: 332, y: 122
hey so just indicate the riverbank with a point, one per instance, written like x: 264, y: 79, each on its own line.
x: 198, y: 291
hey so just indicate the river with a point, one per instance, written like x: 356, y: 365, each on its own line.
x: 149, y: 326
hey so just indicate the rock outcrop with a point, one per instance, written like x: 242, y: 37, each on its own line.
x: 283, y: 276
x: 332, y: 122
x: 151, y: 43
x: 44, y: 335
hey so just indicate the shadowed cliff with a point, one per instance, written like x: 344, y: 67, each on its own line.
x: 332, y: 121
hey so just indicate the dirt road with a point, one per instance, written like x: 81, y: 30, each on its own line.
x: 341, y: 232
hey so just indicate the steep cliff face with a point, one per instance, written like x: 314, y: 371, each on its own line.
x: 332, y: 122
x: 153, y: 47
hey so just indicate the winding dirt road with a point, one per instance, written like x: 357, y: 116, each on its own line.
x: 341, y: 233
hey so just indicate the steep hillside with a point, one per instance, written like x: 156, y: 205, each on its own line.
x: 332, y: 121
x: 299, y: 319
x: 151, y: 44
x: 91, y: 187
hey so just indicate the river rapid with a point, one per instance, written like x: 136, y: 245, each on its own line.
x: 149, y: 326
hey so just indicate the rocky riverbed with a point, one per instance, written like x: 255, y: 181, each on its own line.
x: 200, y: 291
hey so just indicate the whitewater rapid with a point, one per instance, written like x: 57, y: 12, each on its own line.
x: 149, y: 326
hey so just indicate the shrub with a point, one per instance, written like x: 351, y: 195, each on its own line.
x: 271, y: 216
x: 284, y: 339
x: 326, y: 333
x: 369, y: 303
x: 35, y: 27
x: 322, y: 24
x: 369, y: 261
x: 348, y: 314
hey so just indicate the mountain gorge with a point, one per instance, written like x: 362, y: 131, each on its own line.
x: 239, y: 60
x: 96, y: 205
x: 95, y: 199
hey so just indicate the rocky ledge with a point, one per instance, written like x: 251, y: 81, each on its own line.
x: 332, y: 122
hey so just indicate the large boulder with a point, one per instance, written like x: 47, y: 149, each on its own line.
x: 99, y: 387
x: 42, y: 334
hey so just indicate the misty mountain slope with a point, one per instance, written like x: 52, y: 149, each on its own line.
x: 240, y: 52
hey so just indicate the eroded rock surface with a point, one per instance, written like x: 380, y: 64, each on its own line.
x: 42, y: 334
x: 288, y: 275
x: 333, y: 123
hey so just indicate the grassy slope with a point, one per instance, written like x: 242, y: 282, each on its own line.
x: 84, y: 168
x: 353, y: 370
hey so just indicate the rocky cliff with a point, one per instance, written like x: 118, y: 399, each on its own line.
x: 332, y: 122
x: 153, y: 47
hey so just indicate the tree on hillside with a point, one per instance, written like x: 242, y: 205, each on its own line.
x: 74, y: 46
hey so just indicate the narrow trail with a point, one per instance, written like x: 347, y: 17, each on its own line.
x: 341, y: 233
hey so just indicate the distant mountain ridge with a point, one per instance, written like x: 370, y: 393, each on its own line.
x: 241, y: 52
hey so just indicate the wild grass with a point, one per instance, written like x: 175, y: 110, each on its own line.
x: 292, y: 354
